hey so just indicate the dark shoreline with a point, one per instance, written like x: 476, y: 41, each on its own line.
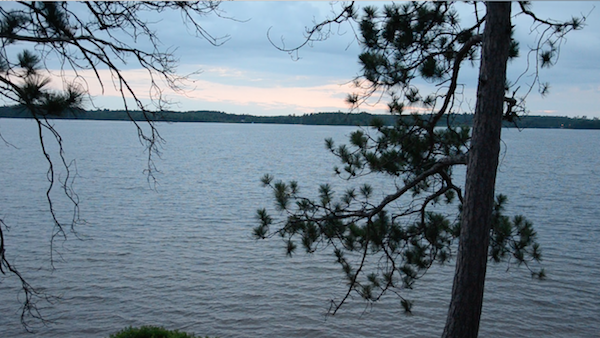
x: 337, y: 118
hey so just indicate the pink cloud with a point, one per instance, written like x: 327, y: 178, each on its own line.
x: 296, y: 99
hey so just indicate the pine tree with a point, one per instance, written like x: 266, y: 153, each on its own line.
x: 387, y: 244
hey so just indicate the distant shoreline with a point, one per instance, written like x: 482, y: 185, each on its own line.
x: 332, y: 119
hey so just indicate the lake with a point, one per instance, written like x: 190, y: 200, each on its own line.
x: 181, y: 255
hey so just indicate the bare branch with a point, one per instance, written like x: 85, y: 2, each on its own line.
x: 319, y: 32
x: 94, y: 36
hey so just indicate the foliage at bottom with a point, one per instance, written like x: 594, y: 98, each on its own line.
x: 151, y: 332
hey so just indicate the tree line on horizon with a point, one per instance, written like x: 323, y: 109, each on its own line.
x: 321, y: 118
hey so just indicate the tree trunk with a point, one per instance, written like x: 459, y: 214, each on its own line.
x: 469, y: 279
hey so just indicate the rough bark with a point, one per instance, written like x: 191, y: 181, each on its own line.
x: 467, y: 292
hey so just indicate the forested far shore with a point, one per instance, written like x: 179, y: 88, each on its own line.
x: 329, y: 118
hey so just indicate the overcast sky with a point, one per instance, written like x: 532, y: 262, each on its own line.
x: 247, y: 75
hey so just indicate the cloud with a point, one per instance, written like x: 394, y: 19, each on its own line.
x: 249, y: 75
x: 230, y: 87
x: 304, y: 99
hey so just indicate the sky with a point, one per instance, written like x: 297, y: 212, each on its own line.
x: 248, y: 75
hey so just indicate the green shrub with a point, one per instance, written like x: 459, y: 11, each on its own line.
x: 151, y: 332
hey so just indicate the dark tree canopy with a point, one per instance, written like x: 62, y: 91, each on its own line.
x: 386, y: 244
x: 41, y: 41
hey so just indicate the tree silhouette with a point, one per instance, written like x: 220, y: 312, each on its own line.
x: 386, y: 244
x: 41, y: 41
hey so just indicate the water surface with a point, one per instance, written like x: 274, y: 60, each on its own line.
x: 182, y: 256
